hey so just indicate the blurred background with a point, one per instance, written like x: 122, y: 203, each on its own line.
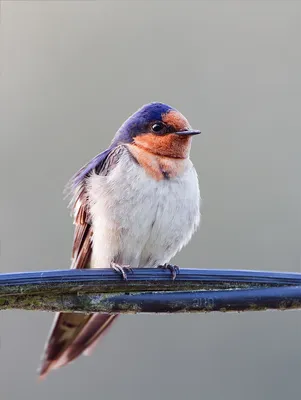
x: 71, y: 73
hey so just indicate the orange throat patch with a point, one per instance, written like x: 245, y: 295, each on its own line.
x: 172, y: 145
x: 162, y: 157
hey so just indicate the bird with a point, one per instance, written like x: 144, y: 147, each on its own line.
x: 136, y: 204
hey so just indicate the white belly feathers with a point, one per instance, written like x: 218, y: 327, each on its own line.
x: 139, y: 221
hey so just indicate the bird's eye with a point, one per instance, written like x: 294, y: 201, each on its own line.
x: 157, y: 127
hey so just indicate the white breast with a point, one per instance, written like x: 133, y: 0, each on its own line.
x: 139, y: 221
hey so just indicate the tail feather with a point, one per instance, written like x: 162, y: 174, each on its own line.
x: 71, y: 335
x: 85, y: 340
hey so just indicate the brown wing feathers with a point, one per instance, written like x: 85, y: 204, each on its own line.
x: 73, y: 333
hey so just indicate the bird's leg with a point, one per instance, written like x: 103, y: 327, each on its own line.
x: 121, y: 269
x: 172, y: 268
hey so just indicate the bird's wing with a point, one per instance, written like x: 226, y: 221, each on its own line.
x: 74, y: 333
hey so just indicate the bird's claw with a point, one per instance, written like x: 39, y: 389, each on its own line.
x: 122, y: 270
x: 174, y: 269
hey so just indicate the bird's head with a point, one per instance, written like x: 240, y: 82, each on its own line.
x: 155, y: 128
x: 159, y: 129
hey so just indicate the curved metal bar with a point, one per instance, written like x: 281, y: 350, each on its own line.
x: 150, y: 291
x: 277, y: 298
x: 142, y: 280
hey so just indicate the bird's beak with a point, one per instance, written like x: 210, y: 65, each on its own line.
x: 189, y: 132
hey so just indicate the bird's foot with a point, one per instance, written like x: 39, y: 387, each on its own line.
x: 172, y: 268
x: 122, y: 270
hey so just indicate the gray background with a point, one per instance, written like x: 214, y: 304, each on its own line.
x: 71, y: 72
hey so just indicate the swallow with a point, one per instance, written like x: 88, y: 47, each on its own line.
x: 136, y: 204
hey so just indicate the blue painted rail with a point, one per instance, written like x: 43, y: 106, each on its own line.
x: 150, y: 291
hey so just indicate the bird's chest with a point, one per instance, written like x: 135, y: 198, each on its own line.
x: 137, y: 214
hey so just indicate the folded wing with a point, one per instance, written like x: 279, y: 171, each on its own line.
x: 75, y: 333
